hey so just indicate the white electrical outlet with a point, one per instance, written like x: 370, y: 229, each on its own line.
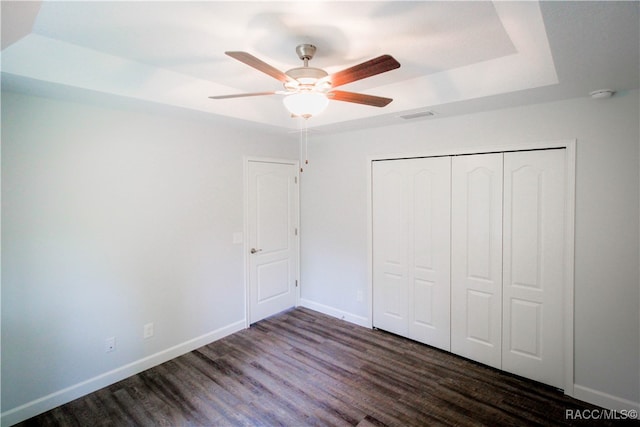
x: 148, y: 330
x: 359, y: 296
x: 110, y: 344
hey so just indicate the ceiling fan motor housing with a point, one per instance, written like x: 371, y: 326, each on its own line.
x: 306, y: 77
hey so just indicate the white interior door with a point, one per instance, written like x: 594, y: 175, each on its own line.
x: 272, y: 228
x: 476, y: 257
x: 411, y: 221
x: 534, y: 230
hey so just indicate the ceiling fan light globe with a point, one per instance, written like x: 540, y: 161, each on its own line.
x: 306, y: 104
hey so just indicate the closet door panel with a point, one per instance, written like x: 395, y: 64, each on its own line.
x: 390, y: 252
x: 476, y: 257
x: 534, y: 215
x: 429, y: 247
x: 411, y: 244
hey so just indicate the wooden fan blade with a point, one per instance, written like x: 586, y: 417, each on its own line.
x: 259, y: 65
x: 374, y: 66
x: 241, y: 95
x: 358, y: 98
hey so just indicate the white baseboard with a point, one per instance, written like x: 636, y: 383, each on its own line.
x: 605, y: 400
x: 75, y: 391
x: 334, y: 312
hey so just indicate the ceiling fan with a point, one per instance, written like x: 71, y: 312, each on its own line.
x: 308, y: 90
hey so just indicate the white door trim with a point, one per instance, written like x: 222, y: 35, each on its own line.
x: 245, y: 232
x: 569, y: 243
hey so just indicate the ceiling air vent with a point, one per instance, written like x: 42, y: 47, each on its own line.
x: 418, y: 115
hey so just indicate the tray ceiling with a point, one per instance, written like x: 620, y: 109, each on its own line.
x: 172, y: 53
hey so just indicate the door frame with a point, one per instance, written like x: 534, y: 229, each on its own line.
x: 246, y: 245
x: 569, y: 243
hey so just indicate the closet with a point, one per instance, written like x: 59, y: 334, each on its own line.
x: 411, y: 223
x: 468, y: 256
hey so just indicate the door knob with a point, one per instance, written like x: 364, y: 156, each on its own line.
x: 254, y: 250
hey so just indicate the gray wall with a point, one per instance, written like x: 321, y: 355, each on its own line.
x: 607, y: 319
x: 112, y: 219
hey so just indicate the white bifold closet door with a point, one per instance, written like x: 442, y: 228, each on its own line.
x: 507, y: 270
x: 411, y: 243
x: 476, y: 257
x: 533, y: 265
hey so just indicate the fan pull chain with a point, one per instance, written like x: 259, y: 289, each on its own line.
x: 301, y: 146
x: 304, y: 144
x: 306, y: 141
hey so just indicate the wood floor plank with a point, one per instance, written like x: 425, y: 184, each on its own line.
x: 303, y: 368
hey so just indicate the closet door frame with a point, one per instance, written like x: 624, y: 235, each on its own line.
x: 569, y: 241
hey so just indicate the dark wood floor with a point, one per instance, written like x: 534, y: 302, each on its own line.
x: 303, y: 368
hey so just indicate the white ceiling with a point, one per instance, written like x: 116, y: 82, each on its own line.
x: 456, y: 57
